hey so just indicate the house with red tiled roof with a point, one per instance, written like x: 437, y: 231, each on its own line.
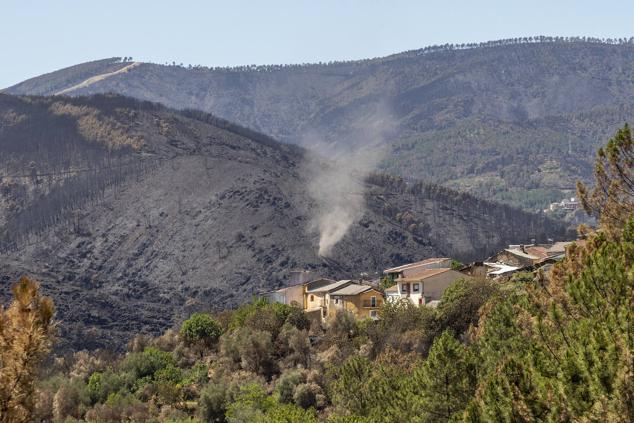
x: 423, y: 282
x: 411, y: 269
x: 363, y: 301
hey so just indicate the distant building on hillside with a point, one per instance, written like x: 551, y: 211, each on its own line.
x: 524, y: 257
x: 565, y: 204
x: 411, y: 269
x: 363, y: 301
x: 321, y: 298
x: 422, y: 282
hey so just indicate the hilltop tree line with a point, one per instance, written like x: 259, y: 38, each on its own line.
x: 436, y: 48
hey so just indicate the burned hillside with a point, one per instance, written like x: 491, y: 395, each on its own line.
x: 133, y: 215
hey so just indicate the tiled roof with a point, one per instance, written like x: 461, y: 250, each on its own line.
x: 393, y: 288
x: 352, y: 289
x: 539, y: 252
x: 558, y: 247
x: 427, y: 273
x: 432, y: 260
x: 520, y: 253
x: 330, y: 287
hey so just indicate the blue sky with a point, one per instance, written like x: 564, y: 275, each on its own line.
x: 45, y: 35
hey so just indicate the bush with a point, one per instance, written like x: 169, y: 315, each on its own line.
x: 212, y: 404
x: 252, y: 349
x: 71, y: 400
x: 202, y: 329
x: 293, y: 344
x: 286, y: 385
x: 286, y: 413
x: 343, y: 327
x: 305, y: 395
x: 261, y: 315
x: 147, y: 363
x: 251, y: 403
x: 459, y: 304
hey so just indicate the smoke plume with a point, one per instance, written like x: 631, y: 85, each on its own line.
x: 336, y: 172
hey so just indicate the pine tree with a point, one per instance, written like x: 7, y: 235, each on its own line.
x: 612, y: 199
x: 441, y: 388
x: 576, y: 358
x: 26, y: 331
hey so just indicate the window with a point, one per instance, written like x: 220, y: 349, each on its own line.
x: 336, y: 300
x: 374, y: 314
x: 405, y: 287
x: 372, y: 301
x: 312, y: 298
x: 416, y: 287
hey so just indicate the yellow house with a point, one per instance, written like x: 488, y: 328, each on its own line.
x: 322, y: 298
x: 362, y: 301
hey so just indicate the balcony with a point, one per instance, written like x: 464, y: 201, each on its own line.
x: 372, y: 304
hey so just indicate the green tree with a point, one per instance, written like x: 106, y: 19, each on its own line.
x: 459, y: 304
x: 287, y: 413
x: 201, y: 330
x: 250, y: 404
x: 563, y: 351
x: 212, y: 404
x: 612, y: 198
x: 445, y: 383
x: 147, y: 363
x: 286, y: 385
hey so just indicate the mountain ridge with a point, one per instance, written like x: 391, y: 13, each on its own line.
x: 431, y: 96
x: 175, y: 213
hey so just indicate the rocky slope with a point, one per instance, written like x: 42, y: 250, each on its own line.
x: 133, y: 215
x: 514, y: 120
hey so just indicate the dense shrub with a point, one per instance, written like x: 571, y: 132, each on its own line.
x: 202, y: 329
x: 147, y: 363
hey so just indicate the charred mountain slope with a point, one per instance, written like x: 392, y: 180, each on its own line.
x: 521, y: 118
x: 133, y: 215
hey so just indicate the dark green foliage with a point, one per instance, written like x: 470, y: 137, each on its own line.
x: 286, y: 413
x: 444, y: 384
x: 201, y: 328
x: 286, y: 385
x: 212, y: 404
x: 456, y: 265
x: 262, y: 315
x: 402, y: 327
x: 102, y: 384
x: 250, y: 403
x: 147, y: 363
x: 459, y: 305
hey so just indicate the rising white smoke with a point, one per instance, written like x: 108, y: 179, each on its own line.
x: 335, y: 176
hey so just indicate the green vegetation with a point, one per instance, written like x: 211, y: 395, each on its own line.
x: 533, y: 349
x: 554, y: 347
x: 201, y: 329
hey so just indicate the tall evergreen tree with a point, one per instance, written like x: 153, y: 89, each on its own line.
x: 612, y: 199
x: 444, y: 384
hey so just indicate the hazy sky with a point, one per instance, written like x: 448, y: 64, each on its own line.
x: 42, y: 36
